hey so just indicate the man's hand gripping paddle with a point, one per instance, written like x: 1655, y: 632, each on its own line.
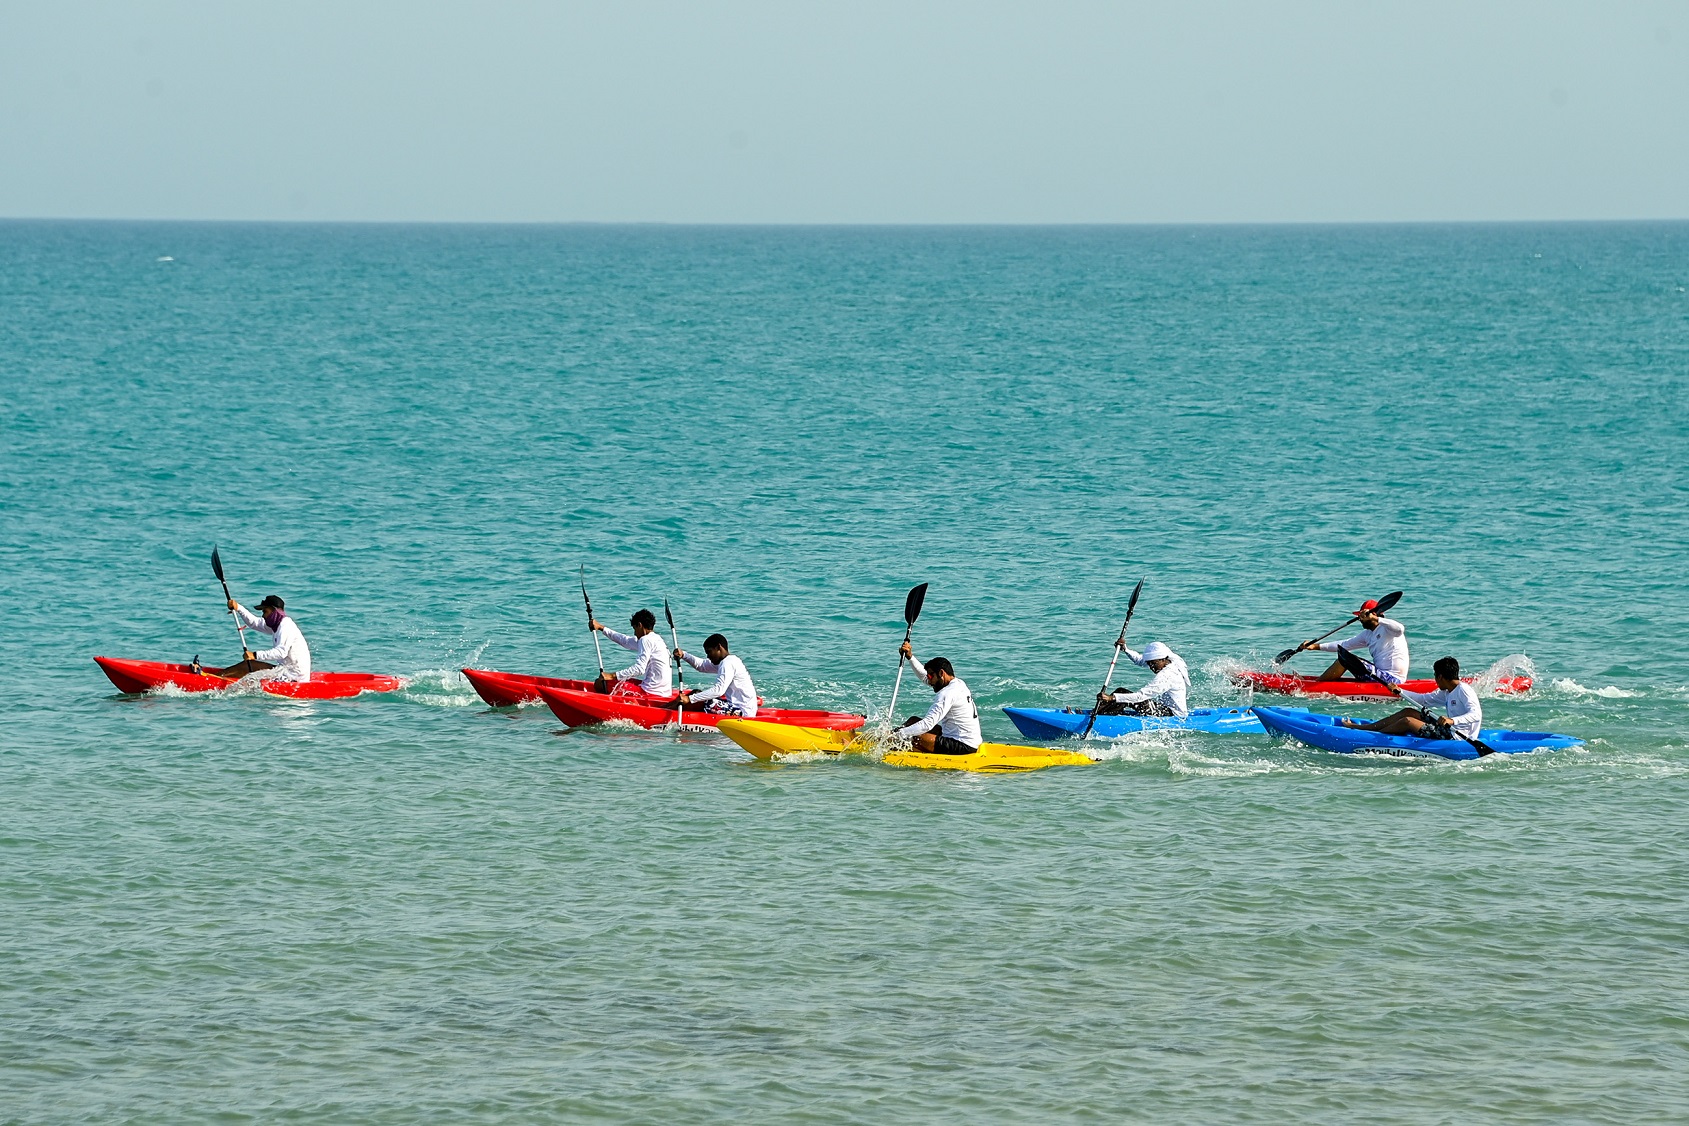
x: 1119, y: 644
x: 911, y: 611
x: 1385, y: 605
x: 1355, y: 665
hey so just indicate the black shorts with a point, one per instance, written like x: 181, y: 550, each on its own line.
x: 945, y: 745
x: 1433, y: 729
x: 1142, y: 707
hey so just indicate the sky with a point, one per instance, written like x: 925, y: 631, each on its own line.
x: 862, y: 112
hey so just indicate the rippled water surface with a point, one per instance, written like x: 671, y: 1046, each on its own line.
x: 411, y: 907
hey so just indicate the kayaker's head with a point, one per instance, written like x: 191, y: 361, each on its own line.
x: 939, y: 672
x: 272, y: 608
x: 1447, y: 671
x: 715, y: 647
x: 1157, y: 656
x: 643, y: 622
x: 1368, y: 614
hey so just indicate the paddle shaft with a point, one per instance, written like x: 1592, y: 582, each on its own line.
x: 679, y: 677
x: 240, y: 627
x: 597, y: 648
x: 897, y: 685
x: 1119, y: 644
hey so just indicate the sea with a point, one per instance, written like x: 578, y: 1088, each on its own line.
x: 412, y: 907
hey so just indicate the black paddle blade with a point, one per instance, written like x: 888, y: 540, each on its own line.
x: 1284, y: 656
x: 912, y: 604
x: 584, y: 597
x: 1133, y: 603
x: 668, y: 615
x: 1388, y: 602
x: 217, y: 564
x: 1354, y: 664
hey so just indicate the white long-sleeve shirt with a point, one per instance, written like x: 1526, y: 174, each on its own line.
x: 732, y: 685
x: 953, y: 712
x: 1385, y: 643
x: 652, y: 667
x: 1461, y: 704
x: 290, y: 654
x: 1167, y: 687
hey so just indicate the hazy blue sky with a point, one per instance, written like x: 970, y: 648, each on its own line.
x: 848, y: 112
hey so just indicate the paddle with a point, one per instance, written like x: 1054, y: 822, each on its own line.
x: 1385, y: 605
x: 911, y: 611
x: 1119, y: 644
x: 1355, y: 665
x: 679, y: 677
x: 599, y: 649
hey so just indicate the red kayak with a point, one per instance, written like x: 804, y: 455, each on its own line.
x: 1292, y: 684
x: 144, y: 676
x: 508, y: 689
x: 577, y: 709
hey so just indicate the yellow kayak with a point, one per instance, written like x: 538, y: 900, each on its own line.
x: 766, y: 740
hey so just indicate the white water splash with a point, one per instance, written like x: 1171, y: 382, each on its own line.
x: 1568, y: 686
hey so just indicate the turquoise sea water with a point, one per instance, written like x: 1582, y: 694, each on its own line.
x: 411, y: 907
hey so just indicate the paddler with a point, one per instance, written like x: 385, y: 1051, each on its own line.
x: 652, y: 667
x: 953, y: 712
x: 1465, y: 714
x: 1164, y: 695
x: 288, y: 659
x: 732, y: 693
x: 1384, y: 639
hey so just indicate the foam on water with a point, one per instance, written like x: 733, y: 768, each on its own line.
x: 1566, y: 686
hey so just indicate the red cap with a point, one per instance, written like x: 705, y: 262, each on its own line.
x: 1369, y: 604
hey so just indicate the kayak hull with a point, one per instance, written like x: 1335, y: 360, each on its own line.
x: 1053, y: 723
x: 145, y: 676
x: 1325, y: 733
x: 579, y: 708
x: 1293, y: 684
x: 513, y: 689
x: 768, y: 741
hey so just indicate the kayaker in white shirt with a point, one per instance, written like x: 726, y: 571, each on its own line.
x: 652, y: 669
x: 953, y: 714
x: 288, y: 659
x: 1465, y: 713
x: 1163, y: 695
x: 1384, y: 639
x: 732, y: 693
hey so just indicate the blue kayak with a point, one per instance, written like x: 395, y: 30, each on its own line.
x: 1051, y: 723
x: 1326, y: 733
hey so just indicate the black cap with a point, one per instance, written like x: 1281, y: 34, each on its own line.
x: 271, y: 600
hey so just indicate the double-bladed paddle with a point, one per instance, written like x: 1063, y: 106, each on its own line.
x: 1355, y: 665
x: 217, y: 569
x: 679, y: 677
x: 911, y: 611
x: 1385, y: 605
x: 1119, y: 644
x: 599, y: 649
